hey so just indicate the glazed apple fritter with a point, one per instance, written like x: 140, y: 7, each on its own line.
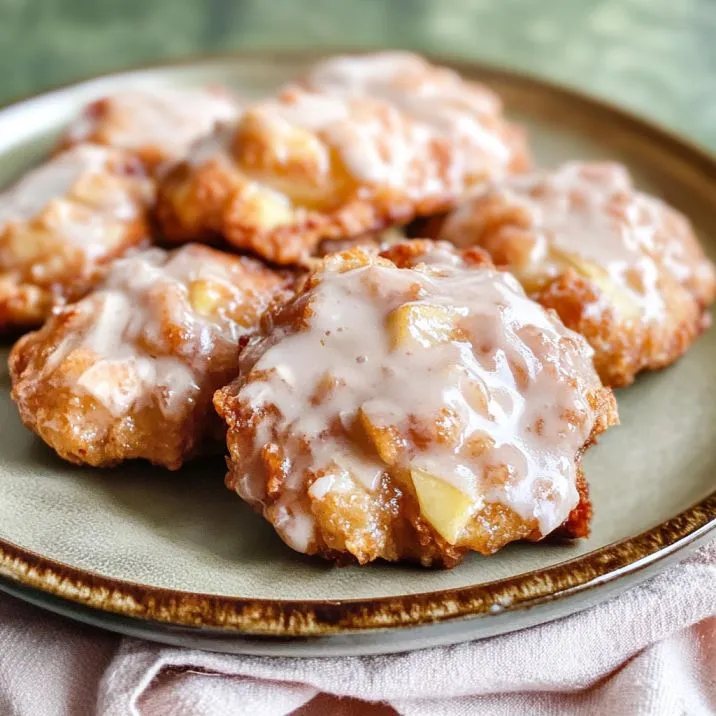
x: 363, y: 143
x: 620, y: 267
x: 61, y: 226
x: 130, y: 370
x: 158, y: 124
x: 413, y: 413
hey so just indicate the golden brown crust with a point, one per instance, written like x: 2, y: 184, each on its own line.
x: 376, y: 241
x: 407, y: 254
x: 78, y: 426
x: 632, y: 326
x: 355, y: 527
x: 281, y: 182
x: 577, y: 525
x: 26, y: 303
x: 216, y: 200
x: 56, y: 255
x: 354, y: 523
x: 623, y: 350
x: 129, y: 371
x: 157, y: 126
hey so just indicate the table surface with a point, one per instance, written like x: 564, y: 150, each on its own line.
x: 657, y: 57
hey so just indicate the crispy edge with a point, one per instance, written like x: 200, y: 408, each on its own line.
x: 409, y: 537
x: 25, y: 305
x: 130, y: 436
x: 623, y: 349
x: 212, y: 202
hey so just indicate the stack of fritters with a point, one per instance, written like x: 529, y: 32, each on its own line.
x: 382, y: 398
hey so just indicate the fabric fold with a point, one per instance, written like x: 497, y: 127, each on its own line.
x: 650, y: 650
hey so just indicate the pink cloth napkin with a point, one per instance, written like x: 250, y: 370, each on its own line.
x: 649, y: 651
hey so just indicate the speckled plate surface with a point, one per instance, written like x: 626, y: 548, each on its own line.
x: 175, y: 557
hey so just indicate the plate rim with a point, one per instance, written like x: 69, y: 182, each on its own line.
x: 317, y: 618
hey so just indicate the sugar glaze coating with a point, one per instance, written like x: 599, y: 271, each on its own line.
x: 62, y: 224
x: 386, y: 383
x: 618, y: 265
x: 159, y: 124
x: 332, y: 156
x: 129, y: 371
x: 434, y: 97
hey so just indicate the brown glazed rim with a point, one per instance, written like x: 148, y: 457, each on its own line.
x: 292, y: 618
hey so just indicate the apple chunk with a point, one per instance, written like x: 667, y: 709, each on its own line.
x: 206, y: 296
x: 384, y: 438
x: 445, y: 507
x: 426, y: 324
x: 620, y: 300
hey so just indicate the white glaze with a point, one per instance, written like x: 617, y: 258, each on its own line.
x: 169, y: 119
x: 54, y: 180
x: 373, y: 139
x: 414, y: 127
x: 128, y: 317
x: 591, y: 211
x: 524, y: 364
x: 434, y: 96
x: 214, y: 145
x: 78, y: 200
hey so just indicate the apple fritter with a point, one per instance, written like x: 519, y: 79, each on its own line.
x: 129, y: 371
x: 62, y: 225
x: 361, y: 144
x: 413, y: 413
x: 620, y: 267
x: 158, y: 125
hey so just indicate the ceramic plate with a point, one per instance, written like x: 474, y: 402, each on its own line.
x: 177, y: 558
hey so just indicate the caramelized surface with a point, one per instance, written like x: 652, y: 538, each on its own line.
x: 620, y: 267
x: 412, y: 413
x: 62, y: 224
x: 129, y: 371
x: 351, y: 149
x: 158, y: 125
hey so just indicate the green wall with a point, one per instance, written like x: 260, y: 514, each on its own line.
x: 655, y: 56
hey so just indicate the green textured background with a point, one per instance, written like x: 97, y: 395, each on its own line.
x: 655, y: 56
